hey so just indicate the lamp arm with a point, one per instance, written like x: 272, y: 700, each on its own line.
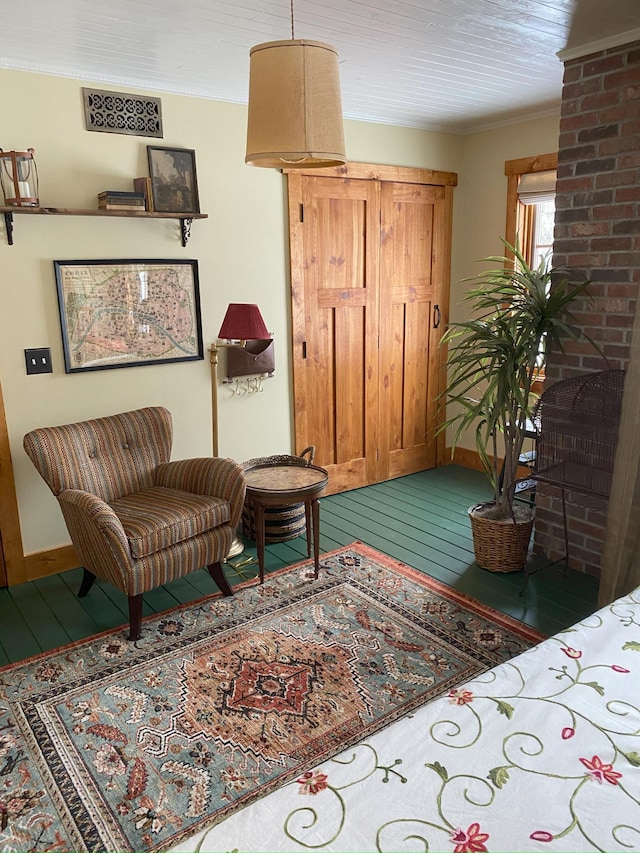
x: 213, y: 359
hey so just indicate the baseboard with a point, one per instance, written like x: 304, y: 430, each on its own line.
x: 465, y: 457
x: 41, y: 564
x: 471, y: 459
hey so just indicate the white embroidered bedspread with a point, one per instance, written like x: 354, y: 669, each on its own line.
x: 539, y: 754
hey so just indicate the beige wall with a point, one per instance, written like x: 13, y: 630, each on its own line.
x: 482, y: 191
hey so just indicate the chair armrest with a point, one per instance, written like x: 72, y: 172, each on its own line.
x: 97, y: 535
x: 215, y: 476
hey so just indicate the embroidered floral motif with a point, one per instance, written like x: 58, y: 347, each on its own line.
x: 541, y: 835
x: 601, y: 772
x: 471, y: 841
x: 572, y: 653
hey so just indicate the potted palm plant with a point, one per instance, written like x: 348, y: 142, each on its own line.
x: 518, y: 312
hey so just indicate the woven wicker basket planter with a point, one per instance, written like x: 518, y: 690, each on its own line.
x: 500, y: 546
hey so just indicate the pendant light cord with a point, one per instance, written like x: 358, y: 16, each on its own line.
x: 292, y: 30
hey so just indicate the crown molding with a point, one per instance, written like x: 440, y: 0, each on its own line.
x: 597, y: 46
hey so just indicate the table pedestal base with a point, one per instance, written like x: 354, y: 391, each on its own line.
x: 312, y: 517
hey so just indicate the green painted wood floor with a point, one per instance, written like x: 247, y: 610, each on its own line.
x: 420, y: 519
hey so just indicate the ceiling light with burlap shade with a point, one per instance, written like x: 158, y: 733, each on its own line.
x: 295, y: 106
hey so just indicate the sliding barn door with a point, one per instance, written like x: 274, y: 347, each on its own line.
x: 414, y: 251
x: 335, y: 349
x: 370, y: 292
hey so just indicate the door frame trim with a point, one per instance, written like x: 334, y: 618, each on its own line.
x: 12, y: 563
x: 373, y: 172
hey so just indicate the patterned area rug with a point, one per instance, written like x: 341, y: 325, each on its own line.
x: 107, y: 745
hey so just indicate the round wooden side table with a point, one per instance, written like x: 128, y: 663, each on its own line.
x: 282, y: 485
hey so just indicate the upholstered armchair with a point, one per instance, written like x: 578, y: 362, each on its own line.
x: 136, y: 519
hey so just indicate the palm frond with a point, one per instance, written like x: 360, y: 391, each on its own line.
x: 517, y: 313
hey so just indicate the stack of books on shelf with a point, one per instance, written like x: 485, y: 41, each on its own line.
x: 115, y: 200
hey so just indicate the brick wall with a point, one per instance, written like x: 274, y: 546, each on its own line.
x: 597, y: 230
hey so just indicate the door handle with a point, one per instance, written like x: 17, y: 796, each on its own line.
x: 436, y: 316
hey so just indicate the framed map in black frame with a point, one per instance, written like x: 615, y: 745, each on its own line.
x: 126, y: 313
x: 174, y: 184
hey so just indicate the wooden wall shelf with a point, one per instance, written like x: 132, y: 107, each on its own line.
x: 185, y: 219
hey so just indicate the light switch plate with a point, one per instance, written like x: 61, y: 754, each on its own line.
x: 38, y: 360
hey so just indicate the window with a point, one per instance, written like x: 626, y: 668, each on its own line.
x: 530, y: 204
x: 531, y: 185
x: 535, y: 213
x: 543, y: 231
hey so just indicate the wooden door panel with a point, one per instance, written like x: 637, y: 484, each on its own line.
x: 350, y: 394
x: 416, y: 398
x: 393, y: 377
x: 335, y: 365
x: 336, y: 356
x: 340, y: 263
x: 407, y: 232
x: 319, y: 369
x: 407, y: 289
x: 407, y: 390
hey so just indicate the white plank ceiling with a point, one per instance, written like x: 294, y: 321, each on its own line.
x: 447, y: 65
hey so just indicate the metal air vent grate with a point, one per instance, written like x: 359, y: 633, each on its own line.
x: 119, y: 112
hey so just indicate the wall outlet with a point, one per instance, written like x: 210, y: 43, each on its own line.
x: 38, y: 360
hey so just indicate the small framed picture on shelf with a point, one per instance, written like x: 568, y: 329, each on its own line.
x: 126, y: 313
x: 174, y: 185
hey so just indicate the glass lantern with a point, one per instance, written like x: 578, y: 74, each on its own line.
x: 19, y: 178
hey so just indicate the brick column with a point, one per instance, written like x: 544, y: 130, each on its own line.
x: 598, y: 231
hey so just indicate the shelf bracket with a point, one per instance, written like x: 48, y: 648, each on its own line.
x: 186, y: 230
x: 8, y: 224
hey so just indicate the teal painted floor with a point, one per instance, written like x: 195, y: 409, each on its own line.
x: 420, y: 520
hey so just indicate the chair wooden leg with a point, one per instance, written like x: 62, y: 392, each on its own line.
x: 135, y: 616
x: 87, y: 582
x: 215, y: 570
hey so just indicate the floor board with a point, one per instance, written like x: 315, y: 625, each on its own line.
x: 420, y: 519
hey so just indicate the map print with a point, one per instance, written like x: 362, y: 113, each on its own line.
x: 122, y: 313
